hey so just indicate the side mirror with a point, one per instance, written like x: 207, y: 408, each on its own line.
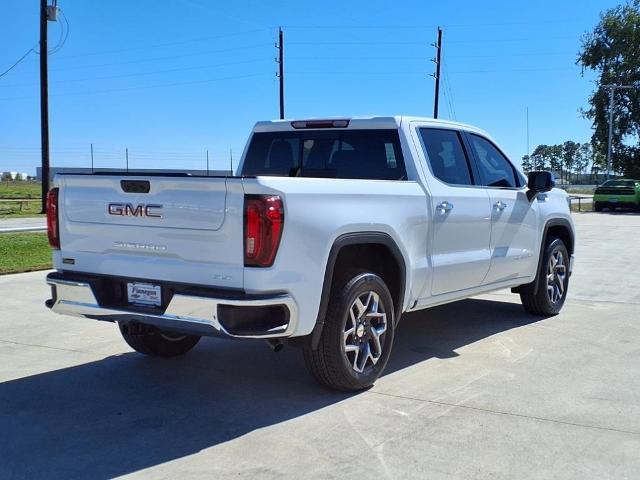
x: 539, y: 182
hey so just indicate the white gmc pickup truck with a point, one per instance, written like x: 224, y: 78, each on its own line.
x: 330, y: 232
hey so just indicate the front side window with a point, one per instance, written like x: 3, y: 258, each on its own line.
x: 446, y: 156
x: 495, y: 169
x: 355, y: 154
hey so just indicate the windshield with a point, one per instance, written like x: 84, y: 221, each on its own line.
x: 357, y: 154
x: 619, y: 183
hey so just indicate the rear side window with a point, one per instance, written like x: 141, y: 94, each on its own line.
x: 446, y: 156
x: 357, y: 154
x: 495, y: 169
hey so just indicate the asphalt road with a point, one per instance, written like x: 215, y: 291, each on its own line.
x: 476, y: 389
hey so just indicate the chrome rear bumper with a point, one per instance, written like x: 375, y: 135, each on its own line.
x: 190, y: 314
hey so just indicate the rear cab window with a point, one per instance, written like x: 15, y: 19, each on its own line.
x: 373, y: 154
x: 446, y: 156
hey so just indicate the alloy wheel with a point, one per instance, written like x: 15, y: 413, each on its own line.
x: 556, y: 276
x: 363, y: 337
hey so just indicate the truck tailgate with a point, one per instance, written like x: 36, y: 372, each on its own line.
x: 183, y: 229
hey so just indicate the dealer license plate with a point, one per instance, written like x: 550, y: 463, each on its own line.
x: 144, y: 294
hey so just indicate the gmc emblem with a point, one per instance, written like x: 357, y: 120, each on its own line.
x: 128, y: 210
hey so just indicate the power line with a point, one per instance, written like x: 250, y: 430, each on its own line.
x: 447, y: 25
x: 411, y: 42
x: 31, y: 50
x: 449, y: 93
x: 408, y: 72
x: 64, y: 34
x: 144, y: 87
x: 521, y: 54
x: 357, y: 58
x: 169, y: 57
x: 142, y: 74
x: 514, y: 70
x: 159, y: 45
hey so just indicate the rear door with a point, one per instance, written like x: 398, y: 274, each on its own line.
x: 179, y: 229
x: 514, y: 219
x: 461, y: 225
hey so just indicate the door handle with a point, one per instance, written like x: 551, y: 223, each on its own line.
x: 444, y: 207
x: 500, y: 205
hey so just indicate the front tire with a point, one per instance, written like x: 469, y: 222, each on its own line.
x: 552, y: 280
x: 357, y: 336
x: 155, y: 342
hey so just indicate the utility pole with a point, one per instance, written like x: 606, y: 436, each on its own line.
x: 126, y: 156
x: 280, y: 74
x: 92, y: 158
x: 612, y: 89
x: 46, y: 14
x: 528, y: 131
x: 207, y: 163
x: 437, y: 74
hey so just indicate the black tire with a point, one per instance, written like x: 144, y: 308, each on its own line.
x: 157, y: 343
x: 545, y: 302
x: 597, y: 206
x: 330, y: 363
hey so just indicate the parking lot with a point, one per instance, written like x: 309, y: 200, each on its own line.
x: 476, y: 389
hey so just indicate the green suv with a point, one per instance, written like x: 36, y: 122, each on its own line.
x: 621, y: 193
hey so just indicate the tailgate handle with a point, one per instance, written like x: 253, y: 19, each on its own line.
x: 135, y: 186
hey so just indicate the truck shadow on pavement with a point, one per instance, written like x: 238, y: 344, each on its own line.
x: 125, y: 413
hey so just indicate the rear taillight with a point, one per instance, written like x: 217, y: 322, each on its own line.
x: 53, y: 229
x: 263, y: 223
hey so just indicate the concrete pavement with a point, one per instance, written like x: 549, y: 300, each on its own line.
x: 476, y: 389
x: 22, y: 224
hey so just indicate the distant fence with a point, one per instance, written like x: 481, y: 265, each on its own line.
x: 13, y: 206
x: 585, y: 203
x: 196, y: 173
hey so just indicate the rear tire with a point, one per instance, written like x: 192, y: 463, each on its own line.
x: 552, y: 279
x: 357, y: 336
x: 597, y: 207
x: 157, y: 343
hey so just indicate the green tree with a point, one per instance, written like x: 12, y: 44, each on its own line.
x: 569, y: 156
x: 583, y: 158
x: 527, y: 163
x: 554, y: 153
x: 540, y: 158
x: 612, y: 50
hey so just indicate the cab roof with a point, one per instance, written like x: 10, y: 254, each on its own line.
x: 373, y: 122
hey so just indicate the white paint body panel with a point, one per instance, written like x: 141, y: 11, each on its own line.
x: 199, y: 240
x: 514, y: 235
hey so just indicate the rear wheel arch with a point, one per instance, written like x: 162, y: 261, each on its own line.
x: 376, y: 252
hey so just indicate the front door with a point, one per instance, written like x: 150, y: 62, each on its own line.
x: 514, y: 221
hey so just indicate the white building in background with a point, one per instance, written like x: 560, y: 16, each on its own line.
x: 14, y: 176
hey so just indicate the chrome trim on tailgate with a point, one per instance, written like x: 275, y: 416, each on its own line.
x: 187, y: 313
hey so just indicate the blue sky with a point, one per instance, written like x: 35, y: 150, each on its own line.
x: 169, y: 80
